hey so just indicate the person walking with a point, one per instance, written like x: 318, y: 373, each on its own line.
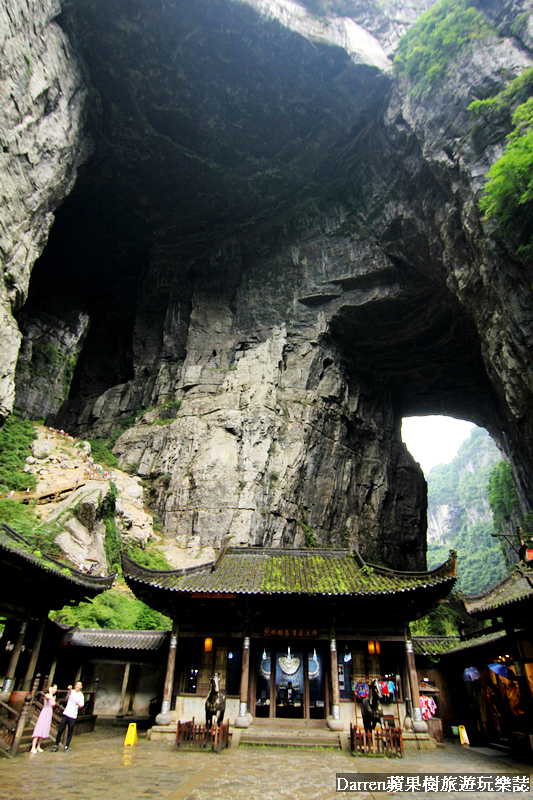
x: 42, y: 726
x: 75, y: 701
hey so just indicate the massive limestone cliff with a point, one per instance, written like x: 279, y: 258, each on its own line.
x: 42, y: 100
x: 276, y: 253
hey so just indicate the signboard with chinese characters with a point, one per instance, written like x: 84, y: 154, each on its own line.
x: 296, y: 633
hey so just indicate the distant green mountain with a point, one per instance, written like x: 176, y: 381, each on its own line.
x: 459, y: 516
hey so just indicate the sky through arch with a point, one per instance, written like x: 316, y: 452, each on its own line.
x: 434, y: 440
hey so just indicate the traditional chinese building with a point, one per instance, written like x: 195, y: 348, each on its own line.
x: 495, y: 666
x: 31, y: 584
x: 125, y: 667
x: 292, y: 633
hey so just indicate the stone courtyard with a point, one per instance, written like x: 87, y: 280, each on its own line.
x: 98, y: 765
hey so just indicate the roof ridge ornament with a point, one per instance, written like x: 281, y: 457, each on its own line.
x: 221, y: 553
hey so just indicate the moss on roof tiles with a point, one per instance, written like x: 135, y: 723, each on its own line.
x: 255, y: 571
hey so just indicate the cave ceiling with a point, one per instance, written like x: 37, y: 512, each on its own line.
x: 209, y: 123
x: 208, y: 119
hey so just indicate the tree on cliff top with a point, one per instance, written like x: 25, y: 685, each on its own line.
x: 428, y: 50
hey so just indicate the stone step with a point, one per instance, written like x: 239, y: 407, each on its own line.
x: 290, y: 738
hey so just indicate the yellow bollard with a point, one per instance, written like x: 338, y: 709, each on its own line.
x: 131, y: 736
x: 463, y: 736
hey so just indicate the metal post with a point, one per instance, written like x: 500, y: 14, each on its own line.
x: 164, y: 718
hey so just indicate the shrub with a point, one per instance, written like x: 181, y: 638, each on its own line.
x: 15, y: 446
x: 148, y: 557
x: 114, y: 609
x: 101, y: 452
x: 508, y: 193
x: 21, y: 517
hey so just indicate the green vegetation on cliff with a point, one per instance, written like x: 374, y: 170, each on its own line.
x: 428, y: 50
x: 15, y: 446
x: 510, y: 524
x: 503, y: 498
x: 114, y: 609
x: 26, y: 521
x: 445, y: 620
x: 508, y: 194
x: 461, y: 488
x: 118, y: 608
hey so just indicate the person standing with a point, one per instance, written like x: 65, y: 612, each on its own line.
x: 75, y: 701
x: 42, y: 726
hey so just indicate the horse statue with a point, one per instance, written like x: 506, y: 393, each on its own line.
x: 372, y: 711
x: 215, y: 704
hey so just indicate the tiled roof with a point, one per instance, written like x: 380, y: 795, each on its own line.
x: 434, y: 645
x: 515, y: 588
x: 20, y: 548
x: 119, y: 640
x: 250, y: 570
x: 478, y: 641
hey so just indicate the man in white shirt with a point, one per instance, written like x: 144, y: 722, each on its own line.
x: 75, y: 701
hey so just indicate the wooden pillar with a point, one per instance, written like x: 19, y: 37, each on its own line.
x: 52, y: 673
x: 419, y: 724
x: 305, y: 698
x: 133, y: 687
x: 335, y: 691
x: 273, y: 687
x: 124, y: 688
x: 21, y: 724
x: 243, y: 721
x: 334, y: 721
x: 163, y: 718
x: 15, y: 655
x: 34, y: 655
x: 245, y: 677
x: 9, y: 635
x: 35, y: 687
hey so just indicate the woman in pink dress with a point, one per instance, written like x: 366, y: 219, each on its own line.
x: 42, y: 726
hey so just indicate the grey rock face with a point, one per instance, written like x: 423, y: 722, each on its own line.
x: 41, y: 145
x: 46, y: 362
x: 288, y: 259
x: 272, y: 445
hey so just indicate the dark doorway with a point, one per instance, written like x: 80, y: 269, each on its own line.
x: 298, y: 689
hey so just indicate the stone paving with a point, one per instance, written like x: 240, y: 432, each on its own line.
x: 98, y: 765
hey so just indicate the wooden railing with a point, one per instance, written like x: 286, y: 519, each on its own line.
x: 380, y: 741
x: 199, y: 736
x: 61, y: 702
x: 12, y: 724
